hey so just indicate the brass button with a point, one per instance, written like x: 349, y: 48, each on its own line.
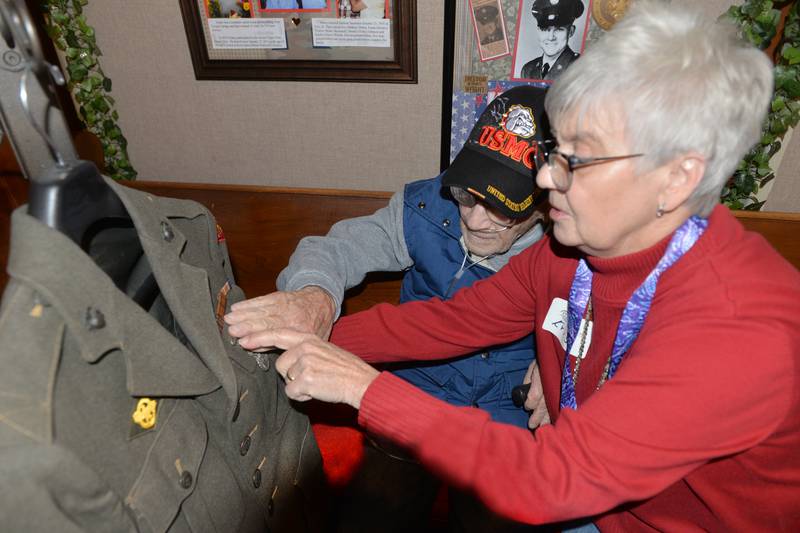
x: 94, y: 319
x: 166, y: 232
x: 421, y: 205
x: 485, y: 355
x: 186, y: 479
x: 257, y: 478
x: 244, y: 447
x: 446, y: 222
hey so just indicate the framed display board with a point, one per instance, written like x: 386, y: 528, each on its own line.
x: 303, y: 40
x: 493, y: 45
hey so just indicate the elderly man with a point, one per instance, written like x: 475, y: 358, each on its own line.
x: 446, y: 233
x: 556, y: 22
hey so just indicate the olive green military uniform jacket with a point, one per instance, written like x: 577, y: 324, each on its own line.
x: 533, y: 68
x: 118, y: 417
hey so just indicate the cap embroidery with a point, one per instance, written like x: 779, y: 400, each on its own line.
x: 508, y: 145
x: 514, y: 206
x: 519, y: 121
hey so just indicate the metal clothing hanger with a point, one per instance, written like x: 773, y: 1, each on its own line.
x: 65, y: 193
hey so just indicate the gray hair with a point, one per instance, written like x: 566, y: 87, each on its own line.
x: 685, y: 83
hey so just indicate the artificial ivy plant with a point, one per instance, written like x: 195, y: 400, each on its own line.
x: 759, y: 20
x: 90, y: 87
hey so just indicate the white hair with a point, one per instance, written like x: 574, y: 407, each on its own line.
x: 684, y: 83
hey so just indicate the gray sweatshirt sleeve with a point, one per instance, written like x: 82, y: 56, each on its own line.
x: 352, y: 248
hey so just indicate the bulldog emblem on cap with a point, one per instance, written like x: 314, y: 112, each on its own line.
x: 519, y: 121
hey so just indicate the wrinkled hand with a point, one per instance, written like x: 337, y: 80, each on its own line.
x: 309, y: 310
x: 317, y: 369
x: 535, y: 400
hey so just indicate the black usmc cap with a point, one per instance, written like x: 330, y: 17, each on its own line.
x: 497, y: 162
x: 556, y: 12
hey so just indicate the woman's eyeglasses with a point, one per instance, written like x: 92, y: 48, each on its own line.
x: 562, y: 165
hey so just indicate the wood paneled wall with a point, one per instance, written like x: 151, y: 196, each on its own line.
x: 263, y: 225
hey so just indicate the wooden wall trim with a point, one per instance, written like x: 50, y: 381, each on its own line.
x: 767, y: 215
x: 263, y: 225
x: 154, y: 186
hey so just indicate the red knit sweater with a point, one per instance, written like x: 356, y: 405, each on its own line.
x: 698, y: 429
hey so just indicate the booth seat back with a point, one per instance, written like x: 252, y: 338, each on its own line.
x: 262, y: 226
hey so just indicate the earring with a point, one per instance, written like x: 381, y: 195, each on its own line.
x: 660, y: 210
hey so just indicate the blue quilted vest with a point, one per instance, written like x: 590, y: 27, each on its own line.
x: 484, y: 379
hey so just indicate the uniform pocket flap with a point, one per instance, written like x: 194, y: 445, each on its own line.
x: 169, y: 474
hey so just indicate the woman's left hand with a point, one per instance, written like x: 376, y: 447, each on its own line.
x: 534, y: 403
x: 320, y: 370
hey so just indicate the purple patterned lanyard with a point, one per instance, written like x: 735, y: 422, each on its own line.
x: 635, y: 310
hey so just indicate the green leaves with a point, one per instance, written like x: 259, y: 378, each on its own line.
x: 70, y: 31
x: 790, y: 54
x: 759, y: 22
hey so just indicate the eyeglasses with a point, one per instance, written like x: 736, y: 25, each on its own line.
x: 562, y: 165
x: 467, y: 199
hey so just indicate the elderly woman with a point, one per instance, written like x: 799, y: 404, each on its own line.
x: 678, y: 406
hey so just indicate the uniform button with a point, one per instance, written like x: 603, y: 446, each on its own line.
x: 166, y: 232
x: 421, y: 205
x: 186, y: 479
x: 257, y: 478
x: 485, y: 355
x: 244, y: 447
x: 446, y: 222
x: 94, y: 319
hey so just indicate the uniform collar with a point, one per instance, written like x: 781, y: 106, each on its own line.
x: 98, y: 315
x: 184, y: 286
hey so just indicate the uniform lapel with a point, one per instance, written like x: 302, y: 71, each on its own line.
x: 51, y: 264
x: 184, y: 287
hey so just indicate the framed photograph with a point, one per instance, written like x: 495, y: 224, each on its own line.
x: 550, y: 36
x: 490, y: 28
x: 302, y: 40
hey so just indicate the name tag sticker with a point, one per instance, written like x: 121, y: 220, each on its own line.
x: 556, y: 323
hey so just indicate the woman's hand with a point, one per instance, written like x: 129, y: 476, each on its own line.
x: 317, y: 369
x: 535, y: 400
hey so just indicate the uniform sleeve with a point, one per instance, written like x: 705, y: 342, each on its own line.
x: 351, y: 249
x: 497, y: 310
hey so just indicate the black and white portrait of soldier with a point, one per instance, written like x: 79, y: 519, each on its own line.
x: 551, y: 34
x: 489, y: 26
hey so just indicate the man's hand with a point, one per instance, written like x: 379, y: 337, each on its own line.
x: 535, y: 400
x: 313, y: 368
x: 309, y: 310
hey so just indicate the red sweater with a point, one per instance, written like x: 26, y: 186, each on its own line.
x: 698, y: 430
